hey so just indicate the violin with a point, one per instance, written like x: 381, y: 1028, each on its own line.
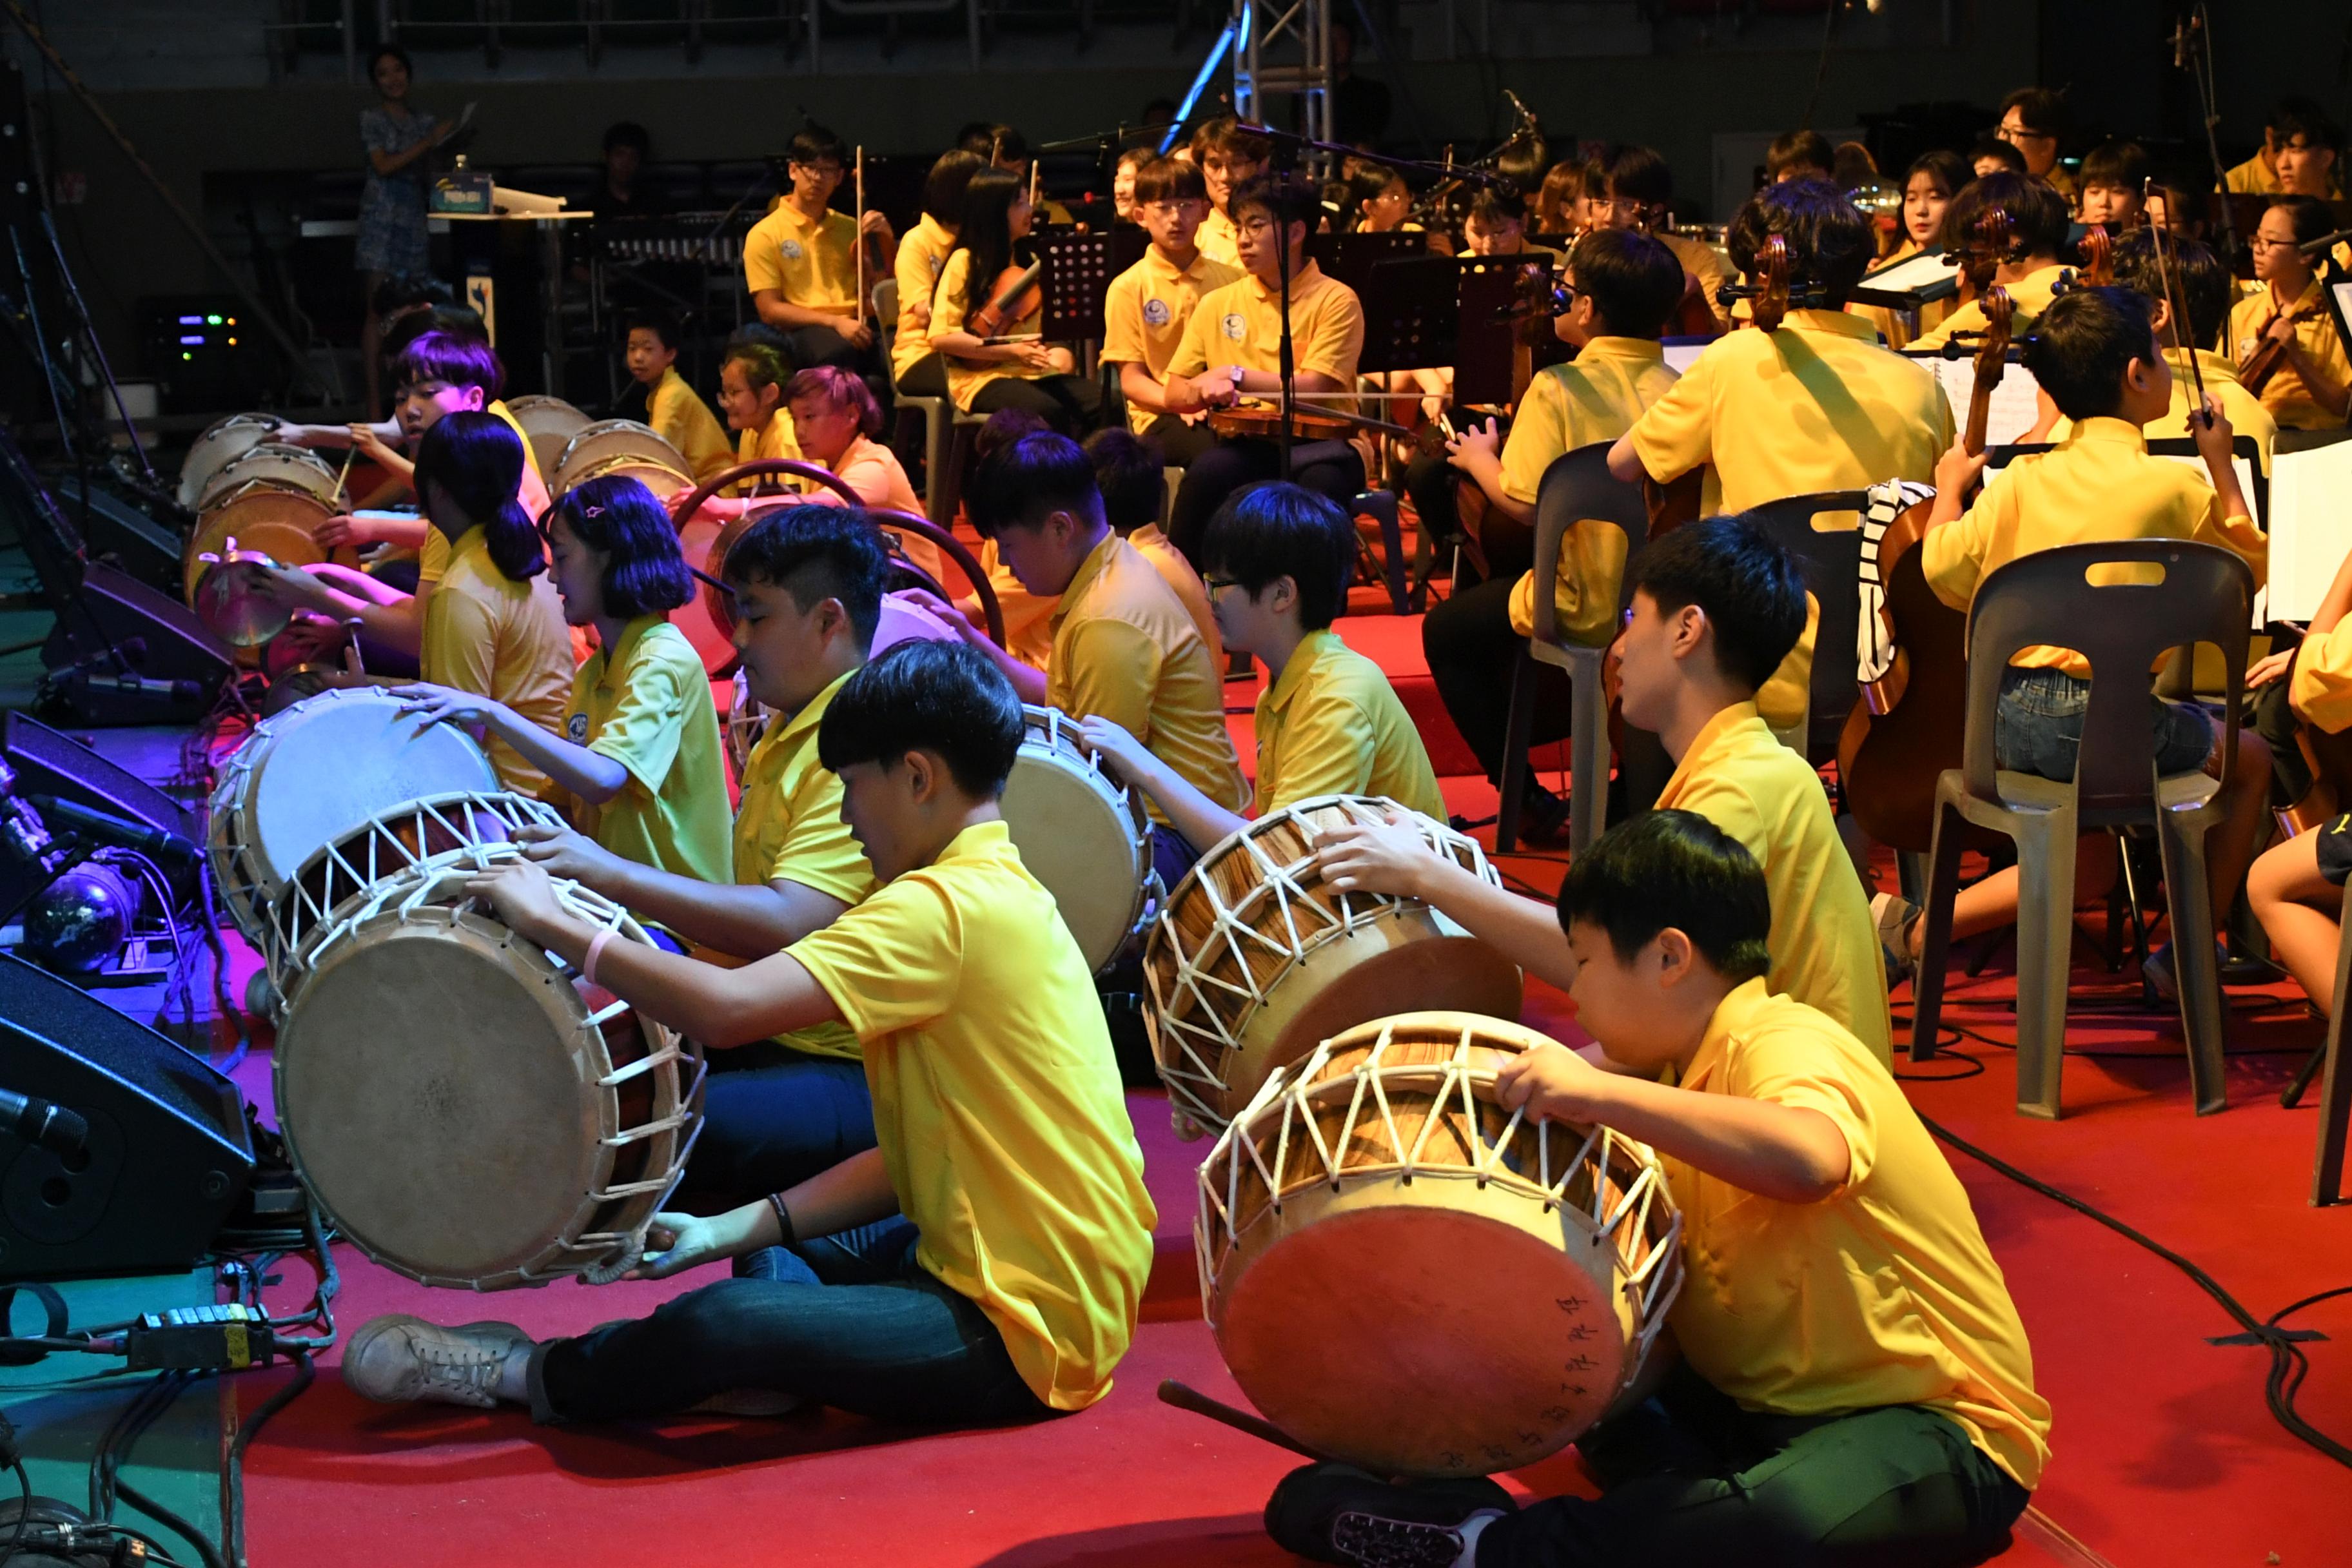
x: 1309, y: 422
x: 2095, y: 259
x: 2257, y: 368
x: 1776, y: 290
x: 1011, y: 297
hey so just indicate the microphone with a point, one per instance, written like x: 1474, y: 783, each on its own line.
x: 106, y: 829
x: 42, y: 1124
x: 23, y: 834
x: 1526, y: 115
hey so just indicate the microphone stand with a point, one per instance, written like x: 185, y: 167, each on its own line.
x: 2195, y: 54
x: 1283, y: 349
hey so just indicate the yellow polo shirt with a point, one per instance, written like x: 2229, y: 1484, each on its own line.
x: 1596, y: 396
x: 788, y: 828
x: 2100, y: 484
x: 2321, y: 690
x: 922, y: 255
x: 1217, y: 240
x: 487, y: 633
x: 1331, y: 724
x: 2028, y: 298
x: 773, y: 439
x: 1028, y: 617
x: 1885, y: 1292
x: 433, y: 555
x: 1240, y: 323
x: 1146, y: 311
x: 1825, y: 951
x: 645, y: 703
x: 2258, y: 176
x: 813, y: 263
x: 2285, y: 393
x: 965, y: 378
x: 1185, y: 582
x: 679, y: 416
x: 1125, y: 649
x: 2242, y: 408
x: 998, y: 1107
x: 1817, y: 406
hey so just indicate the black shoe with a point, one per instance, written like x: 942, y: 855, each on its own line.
x: 1338, y: 1514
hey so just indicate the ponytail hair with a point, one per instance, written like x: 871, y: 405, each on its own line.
x: 617, y: 517
x: 477, y: 462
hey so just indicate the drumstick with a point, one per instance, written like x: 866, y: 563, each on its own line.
x: 1183, y: 1398
x: 349, y: 453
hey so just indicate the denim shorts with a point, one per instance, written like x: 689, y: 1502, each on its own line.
x: 2039, y: 726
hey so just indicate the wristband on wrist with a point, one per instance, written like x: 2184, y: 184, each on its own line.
x: 595, y: 948
x: 785, y: 1236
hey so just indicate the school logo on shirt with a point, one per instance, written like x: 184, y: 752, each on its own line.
x: 1155, y: 313
x: 791, y: 250
x: 576, y: 729
x: 1236, y: 327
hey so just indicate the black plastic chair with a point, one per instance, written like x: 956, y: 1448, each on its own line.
x: 1831, y: 560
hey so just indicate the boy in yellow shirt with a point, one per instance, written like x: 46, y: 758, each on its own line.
x: 2094, y: 353
x: 674, y: 410
x: 2039, y: 222
x: 1151, y: 304
x: 1854, y: 1383
x: 799, y: 262
x: 2308, y: 389
x: 1624, y: 284
x: 1229, y: 157
x: 2298, y: 156
x: 1636, y: 190
x: 1328, y: 721
x: 1133, y: 479
x: 983, y: 1263
x: 1717, y: 605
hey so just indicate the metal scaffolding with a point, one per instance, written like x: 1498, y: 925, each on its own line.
x: 1298, y: 35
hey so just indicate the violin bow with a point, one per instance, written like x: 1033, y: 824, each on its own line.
x: 857, y: 234
x: 2176, y: 301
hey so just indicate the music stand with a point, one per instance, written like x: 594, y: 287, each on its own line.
x: 1409, y: 314
x: 1910, y: 283
x: 1078, y: 270
x: 1350, y: 257
x: 1486, y: 335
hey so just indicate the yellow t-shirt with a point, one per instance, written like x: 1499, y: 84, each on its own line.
x: 2258, y: 176
x: 2100, y: 485
x: 433, y: 555
x: 2322, y: 689
x: 1596, y: 396
x: 1217, y: 240
x: 2242, y: 408
x: 812, y: 263
x: 1125, y: 649
x: 789, y: 828
x: 1028, y: 617
x: 1883, y: 1294
x: 679, y: 416
x: 1825, y: 951
x: 922, y: 255
x: 998, y: 1107
x: 1145, y: 312
x: 2285, y: 393
x: 1241, y: 324
x: 645, y: 703
x: 965, y: 378
x: 1331, y: 724
x: 2028, y: 298
x: 773, y: 439
x: 487, y: 633
x: 1817, y: 406
x: 1178, y: 574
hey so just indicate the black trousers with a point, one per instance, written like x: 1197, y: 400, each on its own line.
x: 1070, y: 404
x: 1509, y: 544
x: 1330, y: 468
x: 926, y: 377
x: 1180, y: 445
x: 1691, y: 1480
x: 1473, y: 653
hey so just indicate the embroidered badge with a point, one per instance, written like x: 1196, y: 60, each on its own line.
x: 1155, y: 313
x: 1236, y: 329
x: 791, y: 250
x: 576, y: 729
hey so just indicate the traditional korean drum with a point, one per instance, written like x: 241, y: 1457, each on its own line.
x: 1254, y: 961
x: 270, y: 501
x: 1084, y: 837
x: 222, y: 440
x: 463, y: 1106
x: 1404, y: 1275
x: 549, y: 424
x: 621, y: 447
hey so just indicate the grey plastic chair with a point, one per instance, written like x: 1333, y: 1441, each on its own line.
x: 1831, y: 560
x: 940, y: 414
x: 1576, y: 486
x: 2123, y: 628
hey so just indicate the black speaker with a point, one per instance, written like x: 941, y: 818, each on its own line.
x: 47, y: 763
x: 168, y: 1155
x: 145, y: 535
x: 176, y: 667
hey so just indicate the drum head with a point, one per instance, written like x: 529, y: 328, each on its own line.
x: 609, y: 441
x: 223, y: 440
x: 423, y: 1071
x: 264, y: 518
x: 549, y: 423
x: 296, y: 467
x: 1076, y: 839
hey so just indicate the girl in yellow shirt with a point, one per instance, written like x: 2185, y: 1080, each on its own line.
x: 639, y: 753
x: 1013, y: 367
x: 751, y: 396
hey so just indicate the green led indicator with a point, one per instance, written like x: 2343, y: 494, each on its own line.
x: 212, y: 321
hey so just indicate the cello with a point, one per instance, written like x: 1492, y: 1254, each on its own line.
x: 1903, y: 734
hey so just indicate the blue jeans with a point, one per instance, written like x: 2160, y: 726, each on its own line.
x: 2039, y: 726
x: 1172, y: 857
x: 851, y: 1321
x: 773, y: 1121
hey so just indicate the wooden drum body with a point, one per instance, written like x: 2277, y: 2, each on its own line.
x: 1403, y: 1275
x: 1254, y: 961
x: 549, y: 424
x: 620, y: 447
x: 270, y: 501
x: 223, y: 441
x: 468, y: 1111
x: 1083, y: 836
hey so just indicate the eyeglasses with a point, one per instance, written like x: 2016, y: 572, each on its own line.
x: 2015, y: 134
x: 1254, y: 227
x: 1188, y: 203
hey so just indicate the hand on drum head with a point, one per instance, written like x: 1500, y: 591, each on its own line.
x: 1390, y: 858
x: 924, y: 599
x: 446, y: 704
x: 562, y: 852
x: 677, y: 1242
x: 521, y: 895
x: 1551, y: 1083
x: 1120, y: 753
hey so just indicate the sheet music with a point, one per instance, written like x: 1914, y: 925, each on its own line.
x: 2013, y: 408
x: 2310, y: 528
x: 1921, y: 272
x: 1681, y: 356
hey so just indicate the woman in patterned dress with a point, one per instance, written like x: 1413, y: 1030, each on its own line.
x: 398, y: 140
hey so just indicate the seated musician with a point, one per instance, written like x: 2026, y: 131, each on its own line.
x: 1798, y: 155
x: 673, y: 411
x: 1624, y: 284
x: 1133, y: 478
x: 1816, y: 405
x: 1928, y: 186
x: 1636, y: 190
x: 916, y: 367
x: 1328, y: 722
x: 752, y: 382
x: 983, y: 1265
x: 2039, y: 223
x: 1717, y: 607
x: 1496, y: 224
x: 2297, y: 887
x: 1124, y: 646
x: 2308, y: 389
x: 1991, y: 155
x: 808, y: 585
x: 1011, y: 366
x: 835, y: 423
x: 1149, y: 305
x: 1855, y: 1385
x: 1563, y: 205
x: 2095, y: 353
x: 2114, y: 187
x: 637, y: 762
x: 1001, y: 146
x: 2301, y: 146
x: 1230, y: 157
x: 2034, y: 121
x: 799, y: 262
x: 1232, y: 351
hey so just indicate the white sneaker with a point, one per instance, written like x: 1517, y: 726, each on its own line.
x: 396, y: 1358
x: 1894, y: 916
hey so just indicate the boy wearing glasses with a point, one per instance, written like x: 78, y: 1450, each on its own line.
x: 1229, y: 157
x: 2032, y: 118
x: 799, y: 262
x: 1151, y: 302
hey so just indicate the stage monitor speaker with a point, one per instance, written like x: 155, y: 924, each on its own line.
x: 146, y: 536
x: 47, y: 762
x: 168, y: 1155
x: 177, y: 665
